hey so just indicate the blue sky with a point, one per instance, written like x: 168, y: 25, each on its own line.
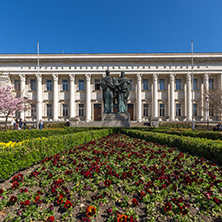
x: 110, y: 26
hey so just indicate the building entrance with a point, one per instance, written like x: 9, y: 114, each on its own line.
x: 130, y: 110
x: 97, y: 112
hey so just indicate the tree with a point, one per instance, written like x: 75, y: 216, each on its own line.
x: 9, y: 103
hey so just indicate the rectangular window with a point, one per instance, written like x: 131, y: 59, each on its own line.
x: 211, y: 83
x: 145, y: 84
x: 49, y: 109
x: 65, y: 85
x: 195, y: 84
x: 145, y: 109
x: 33, y: 109
x: 211, y: 112
x: 49, y: 84
x: 194, y: 109
x: 17, y: 84
x: 161, y: 84
x: 33, y: 84
x: 65, y: 109
x: 81, y: 109
x: 81, y: 84
x: 178, y: 109
x: 97, y: 84
x: 161, y: 109
x: 131, y: 81
x: 178, y: 84
x: 17, y: 113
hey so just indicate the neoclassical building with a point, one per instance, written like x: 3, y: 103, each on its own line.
x: 68, y: 85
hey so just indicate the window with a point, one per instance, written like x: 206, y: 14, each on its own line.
x: 161, y: 109
x: 81, y: 84
x: 161, y: 84
x: 33, y: 84
x: 65, y: 85
x: 33, y: 109
x: 211, y: 112
x: 211, y: 83
x: 49, y: 109
x: 145, y: 109
x: 178, y: 109
x: 194, y: 109
x: 131, y: 81
x: 17, y: 84
x: 145, y: 84
x: 97, y: 84
x: 49, y: 84
x: 81, y: 109
x: 65, y: 109
x: 17, y: 113
x: 195, y: 84
x: 178, y: 84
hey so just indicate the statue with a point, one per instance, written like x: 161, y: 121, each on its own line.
x: 108, y: 85
x: 123, y: 86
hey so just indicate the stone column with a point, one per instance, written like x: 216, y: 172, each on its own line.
x: 72, y: 96
x: 155, y: 95
x: 22, y: 93
x: 172, y: 97
x: 189, y: 98
x: 88, y: 98
x: 39, y: 97
x: 55, y: 97
x: 206, y: 90
x: 139, y: 96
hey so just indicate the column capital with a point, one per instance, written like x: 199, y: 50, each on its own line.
x: 72, y: 77
x: 139, y: 76
x: 39, y: 77
x: 155, y: 76
x: 88, y: 75
x: 172, y: 76
x: 22, y: 77
x: 188, y: 76
x: 55, y: 77
x: 206, y: 75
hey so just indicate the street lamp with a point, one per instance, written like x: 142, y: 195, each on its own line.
x: 207, y: 99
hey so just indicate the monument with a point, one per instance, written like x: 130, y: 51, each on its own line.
x: 115, y: 90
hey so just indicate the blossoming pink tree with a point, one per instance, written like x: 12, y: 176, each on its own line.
x: 9, y: 103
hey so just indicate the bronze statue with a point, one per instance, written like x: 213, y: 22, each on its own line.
x: 108, y: 86
x: 124, y: 86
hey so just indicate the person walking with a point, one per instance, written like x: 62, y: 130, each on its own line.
x: 40, y: 124
x: 13, y: 123
x: 20, y: 124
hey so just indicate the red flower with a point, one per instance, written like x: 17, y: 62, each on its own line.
x: 142, y: 194
x: 67, y: 204
x: 135, y: 202
x: 37, y: 200
x: 60, y: 199
x: 168, y: 206
x: 23, y: 190
x: 107, y: 183
x: 27, y: 202
x: 51, y: 219
x: 15, y: 184
x: 183, y: 211
x: 1, y: 191
x: 13, y: 199
x: 122, y: 218
x: 217, y: 201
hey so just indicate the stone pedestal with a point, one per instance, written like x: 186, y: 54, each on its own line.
x: 116, y: 120
x: 74, y: 121
x: 154, y: 121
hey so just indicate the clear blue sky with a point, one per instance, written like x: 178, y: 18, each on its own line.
x: 110, y: 26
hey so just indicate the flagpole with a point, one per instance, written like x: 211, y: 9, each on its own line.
x: 38, y: 83
x: 193, y: 124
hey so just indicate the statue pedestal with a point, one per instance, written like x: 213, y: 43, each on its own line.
x: 116, y: 119
x: 74, y: 121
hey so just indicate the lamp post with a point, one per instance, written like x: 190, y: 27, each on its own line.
x: 193, y: 124
x: 24, y: 105
x: 207, y: 99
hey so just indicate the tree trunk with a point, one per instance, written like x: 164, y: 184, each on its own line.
x: 6, y: 120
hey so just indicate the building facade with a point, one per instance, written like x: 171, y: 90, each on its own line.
x: 68, y: 85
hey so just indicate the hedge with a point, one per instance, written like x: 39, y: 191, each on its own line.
x: 211, y: 150
x: 32, y: 152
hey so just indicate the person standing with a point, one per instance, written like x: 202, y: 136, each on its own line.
x: 20, y: 124
x: 40, y: 124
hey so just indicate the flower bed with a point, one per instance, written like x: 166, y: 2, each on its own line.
x: 116, y: 178
x: 209, y: 149
x: 13, y: 160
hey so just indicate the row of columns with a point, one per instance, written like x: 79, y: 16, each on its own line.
x: 139, y: 96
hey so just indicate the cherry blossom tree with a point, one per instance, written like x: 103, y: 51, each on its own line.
x: 9, y: 103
